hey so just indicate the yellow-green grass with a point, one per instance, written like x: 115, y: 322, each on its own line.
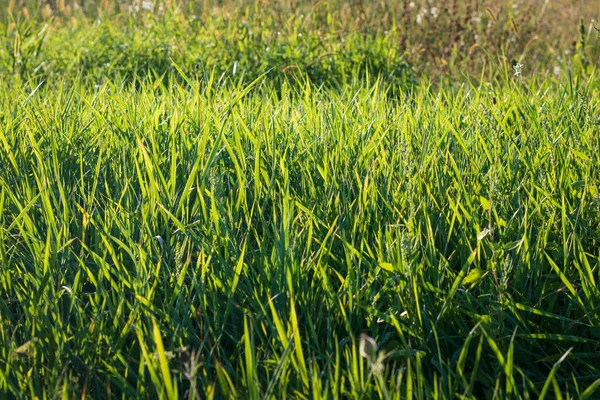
x: 331, y: 231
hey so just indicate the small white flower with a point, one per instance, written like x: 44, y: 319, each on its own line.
x: 556, y: 70
x: 518, y: 67
x: 411, y: 4
x: 434, y: 12
x: 147, y: 5
x: 419, y: 18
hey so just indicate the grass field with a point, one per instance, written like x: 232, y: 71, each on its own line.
x: 284, y: 201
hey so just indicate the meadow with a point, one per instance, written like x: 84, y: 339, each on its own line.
x: 299, y: 199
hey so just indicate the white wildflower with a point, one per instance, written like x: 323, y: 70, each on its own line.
x: 518, y: 67
x: 147, y: 5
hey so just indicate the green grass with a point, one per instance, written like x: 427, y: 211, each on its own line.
x: 175, y: 232
x: 326, y: 41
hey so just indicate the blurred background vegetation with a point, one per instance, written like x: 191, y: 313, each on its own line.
x: 329, y: 41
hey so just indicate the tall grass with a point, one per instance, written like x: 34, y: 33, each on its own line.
x: 201, y: 208
x: 208, y: 240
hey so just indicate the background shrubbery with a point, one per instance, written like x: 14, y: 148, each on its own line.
x: 331, y: 42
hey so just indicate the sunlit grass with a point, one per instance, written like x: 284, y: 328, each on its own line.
x: 201, y: 208
x: 237, y: 240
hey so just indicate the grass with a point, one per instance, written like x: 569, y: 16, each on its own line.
x: 326, y: 41
x: 169, y: 231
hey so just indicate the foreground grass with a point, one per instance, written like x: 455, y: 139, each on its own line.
x: 212, y: 239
